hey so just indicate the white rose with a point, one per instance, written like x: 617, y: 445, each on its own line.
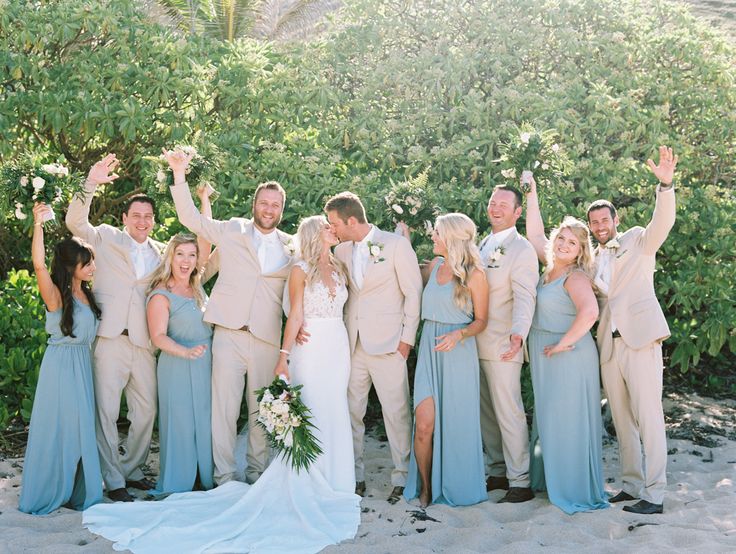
x: 525, y: 137
x: 555, y: 148
x: 398, y: 209
x: 49, y: 168
x: 289, y: 439
x: 545, y: 167
x: 509, y: 173
x: 19, y: 214
x: 375, y: 250
x: 37, y: 183
x: 24, y: 181
x: 160, y: 176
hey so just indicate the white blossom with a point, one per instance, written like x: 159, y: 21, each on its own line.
x: 160, y: 176
x: 398, y: 209
x: 37, y: 183
x: 24, y: 181
x: 555, y: 148
x: 509, y: 173
x: 375, y: 250
x: 19, y: 211
x: 525, y: 137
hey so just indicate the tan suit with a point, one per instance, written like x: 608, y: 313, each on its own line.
x: 631, y: 365
x: 123, y: 355
x: 245, y: 307
x: 512, y: 281
x: 379, y: 315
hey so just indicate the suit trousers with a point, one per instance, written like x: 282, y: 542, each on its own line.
x: 387, y: 372
x: 632, y: 380
x: 503, y: 421
x: 120, y: 366
x: 235, y: 353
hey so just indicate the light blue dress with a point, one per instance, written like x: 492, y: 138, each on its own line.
x: 185, y: 401
x: 452, y: 379
x: 566, y: 444
x: 61, y: 463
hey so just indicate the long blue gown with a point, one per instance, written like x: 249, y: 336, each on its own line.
x: 185, y: 401
x: 566, y: 444
x: 61, y: 463
x: 452, y: 379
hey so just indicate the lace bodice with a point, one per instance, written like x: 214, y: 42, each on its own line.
x: 319, y: 303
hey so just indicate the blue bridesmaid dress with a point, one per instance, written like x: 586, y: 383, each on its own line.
x: 61, y: 465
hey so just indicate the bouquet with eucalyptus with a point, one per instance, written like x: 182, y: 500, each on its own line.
x: 527, y: 151
x: 25, y: 181
x: 410, y: 202
x: 157, y: 178
x: 286, y: 420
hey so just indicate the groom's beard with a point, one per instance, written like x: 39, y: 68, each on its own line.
x: 266, y: 225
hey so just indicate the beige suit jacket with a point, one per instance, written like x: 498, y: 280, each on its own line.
x: 119, y: 293
x: 386, y: 310
x: 512, y: 292
x: 242, y: 294
x: 631, y: 300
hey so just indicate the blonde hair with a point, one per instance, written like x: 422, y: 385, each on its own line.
x: 584, y: 261
x: 310, y: 247
x: 458, y: 233
x: 162, y: 273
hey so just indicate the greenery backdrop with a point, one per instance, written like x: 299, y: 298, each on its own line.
x: 390, y: 90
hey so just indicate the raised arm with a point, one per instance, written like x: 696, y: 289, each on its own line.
x: 297, y: 282
x: 49, y: 293
x: 663, y: 217
x: 478, y: 285
x: 425, y: 266
x: 77, y: 216
x: 201, y: 225
x: 205, y: 208
x: 580, y: 289
x: 534, y: 224
x: 410, y: 283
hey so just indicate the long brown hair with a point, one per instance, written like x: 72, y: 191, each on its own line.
x: 68, y: 255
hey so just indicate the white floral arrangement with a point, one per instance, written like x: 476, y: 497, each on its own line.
x: 409, y: 202
x: 201, y: 172
x: 495, y: 256
x: 375, y: 249
x: 25, y: 181
x: 286, y: 421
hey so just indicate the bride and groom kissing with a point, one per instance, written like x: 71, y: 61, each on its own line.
x: 352, y: 320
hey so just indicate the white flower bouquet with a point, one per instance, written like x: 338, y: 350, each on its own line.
x: 157, y: 178
x: 408, y: 201
x: 286, y: 420
x: 527, y: 151
x: 25, y: 181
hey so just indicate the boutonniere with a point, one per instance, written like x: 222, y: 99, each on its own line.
x: 495, y: 256
x: 374, y: 250
x: 289, y: 246
x: 613, y: 244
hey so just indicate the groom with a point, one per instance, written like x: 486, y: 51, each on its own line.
x: 382, y: 316
x: 245, y: 307
x: 630, y: 334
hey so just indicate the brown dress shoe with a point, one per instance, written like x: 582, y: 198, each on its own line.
x: 144, y: 484
x: 621, y: 497
x: 360, y: 488
x: 120, y: 495
x: 497, y: 483
x: 517, y: 494
x: 395, y: 495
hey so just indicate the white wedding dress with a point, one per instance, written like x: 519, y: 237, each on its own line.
x: 284, y: 511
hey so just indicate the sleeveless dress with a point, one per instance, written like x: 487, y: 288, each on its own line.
x: 566, y: 443
x: 61, y: 462
x: 452, y: 379
x: 284, y: 511
x: 185, y: 400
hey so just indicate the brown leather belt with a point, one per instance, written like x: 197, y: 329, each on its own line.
x: 616, y: 334
x: 245, y: 328
x: 124, y: 333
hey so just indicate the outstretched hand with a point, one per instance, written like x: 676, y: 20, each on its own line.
x: 665, y: 171
x: 103, y: 171
x: 41, y: 212
x: 178, y: 160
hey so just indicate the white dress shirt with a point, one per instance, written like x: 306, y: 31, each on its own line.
x: 494, y: 241
x: 602, y: 278
x: 144, y: 256
x: 361, y: 255
x: 271, y: 252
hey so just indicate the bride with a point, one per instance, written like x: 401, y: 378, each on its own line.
x: 285, y: 510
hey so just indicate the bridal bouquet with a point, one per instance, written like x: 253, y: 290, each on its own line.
x: 285, y: 418
x: 527, y: 152
x: 409, y: 202
x: 157, y: 177
x: 25, y: 181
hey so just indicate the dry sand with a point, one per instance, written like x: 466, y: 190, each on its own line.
x: 700, y: 506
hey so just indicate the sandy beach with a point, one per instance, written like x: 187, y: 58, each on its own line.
x: 700, y: 506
